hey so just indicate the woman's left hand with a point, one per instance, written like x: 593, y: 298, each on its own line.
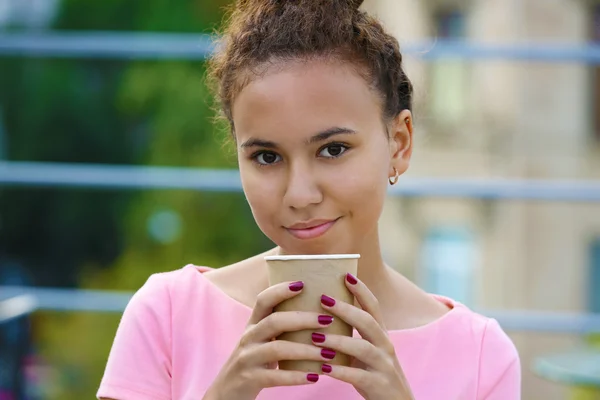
x: 375, y: 371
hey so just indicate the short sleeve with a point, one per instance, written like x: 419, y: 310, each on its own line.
x: 500, y: 368
x: 139, y: 363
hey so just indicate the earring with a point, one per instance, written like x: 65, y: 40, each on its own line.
x: 393, y: 180
x: 406, y: 120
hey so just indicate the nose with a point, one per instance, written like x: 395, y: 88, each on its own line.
x: 302, y: 188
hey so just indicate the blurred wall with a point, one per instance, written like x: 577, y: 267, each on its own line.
x: 502, y: 119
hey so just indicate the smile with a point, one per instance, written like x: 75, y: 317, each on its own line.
x: 311, y: 229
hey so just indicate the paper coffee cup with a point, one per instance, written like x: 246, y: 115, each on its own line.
x: 321, y: 274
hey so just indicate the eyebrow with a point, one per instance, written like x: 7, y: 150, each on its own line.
x: 319, y: 137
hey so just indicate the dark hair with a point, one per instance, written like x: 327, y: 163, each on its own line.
x: 263, y: 33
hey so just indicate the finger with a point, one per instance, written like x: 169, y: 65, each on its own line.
x: 279, y: 350
x: 365, y: 323
x: 365, y: 297
x: 272, y: 296
x: 359, y: 378
x: 271, y: 378
x: 286, y: 321
x: 360, y: 349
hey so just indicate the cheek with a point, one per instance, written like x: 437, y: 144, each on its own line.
x: 261, y: 194
x: 363, y: 188
x: 370, y: 172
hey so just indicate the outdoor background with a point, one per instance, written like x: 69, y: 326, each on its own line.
x: 488, y: 119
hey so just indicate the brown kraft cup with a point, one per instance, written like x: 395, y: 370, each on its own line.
x: 321, y: 274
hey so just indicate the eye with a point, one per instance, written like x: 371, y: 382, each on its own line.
x: 267, y: 158
x: 333, y: 150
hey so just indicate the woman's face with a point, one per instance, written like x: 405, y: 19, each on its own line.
x: 315, y: 157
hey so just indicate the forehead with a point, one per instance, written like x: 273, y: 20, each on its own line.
x: 303, y: 98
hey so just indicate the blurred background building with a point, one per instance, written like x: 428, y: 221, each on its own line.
x: 504, y: 119
x: 493, y: 119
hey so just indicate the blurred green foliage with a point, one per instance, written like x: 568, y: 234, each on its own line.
x: 102, y: 111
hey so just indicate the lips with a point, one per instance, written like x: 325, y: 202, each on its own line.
x: 311, y: 229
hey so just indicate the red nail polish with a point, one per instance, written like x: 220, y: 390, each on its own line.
x: 328, y: 301
x: 312, y: 377
x: 351, y: 279
x: 318, y: 337
x: 325, y: 319
x: 328, y: 354
x: 296, y: 286
x: 326, y: 368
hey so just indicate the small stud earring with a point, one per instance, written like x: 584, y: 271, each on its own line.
x: 393, y: 180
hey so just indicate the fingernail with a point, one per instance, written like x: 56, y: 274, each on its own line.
x: 312, y: 377
x: 326, y: 368
x: 296, y: 286
x: 351, y: 279
x: 325, y: 319
x: 328, y: 353
x: 328, y: 301
x: 318, y: 337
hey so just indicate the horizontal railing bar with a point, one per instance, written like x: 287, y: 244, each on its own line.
x: 157, y: 46
x: 17, y: 306
x: 99, y: 176
x: 78, y: 300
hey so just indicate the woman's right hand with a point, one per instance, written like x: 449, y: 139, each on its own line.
x: 253, y: 364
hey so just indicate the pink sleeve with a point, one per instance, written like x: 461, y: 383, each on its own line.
x: 500, y: 368
x: 139, y: 364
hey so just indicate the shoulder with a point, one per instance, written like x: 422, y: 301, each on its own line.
x: 499, y: 369
x: 499, y: 361
x: 495, y: 346
x: 160, y: 288
x: 486, y: 331
x: 163, y: 282
x: 140, y: 358
x: 495, y: 342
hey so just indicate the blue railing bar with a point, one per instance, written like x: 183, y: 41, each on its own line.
x: 153, y: 45
x: 40, y: 174
x: 77, y: 300
x: 526, y: 52
x: 111, y: 45
x: 545, y: 322
x: 17, y: 306
x: 117, y: 176
x: 51, y: 299
x: 499, y: 189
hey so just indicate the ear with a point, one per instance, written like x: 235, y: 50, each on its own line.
x: 401, y: 143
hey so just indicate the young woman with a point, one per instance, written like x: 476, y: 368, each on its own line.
x: 320, y: 110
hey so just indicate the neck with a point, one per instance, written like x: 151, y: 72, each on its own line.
x: 372, y: 270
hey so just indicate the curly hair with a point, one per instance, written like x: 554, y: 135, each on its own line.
x: 260, y: 34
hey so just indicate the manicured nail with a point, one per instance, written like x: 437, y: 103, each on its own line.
x: 318, y: 337
x: 328, y: 354
x: 351, y: 279
x: 326, y: 368
x: 328, y: 301
x: 296, y: 286
x: 312, y: 377
x: 325, y: 319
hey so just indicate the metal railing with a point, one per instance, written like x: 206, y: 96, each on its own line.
x: 21, y: 300
x: 161, y: 46
x: 124, y: 177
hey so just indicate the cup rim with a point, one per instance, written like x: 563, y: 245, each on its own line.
x: 312, y: 257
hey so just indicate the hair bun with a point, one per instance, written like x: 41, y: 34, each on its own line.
x: 354, y: 4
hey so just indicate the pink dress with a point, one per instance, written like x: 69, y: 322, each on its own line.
x: 179, y: 329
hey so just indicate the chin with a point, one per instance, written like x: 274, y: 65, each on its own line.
x: 315, y: 246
